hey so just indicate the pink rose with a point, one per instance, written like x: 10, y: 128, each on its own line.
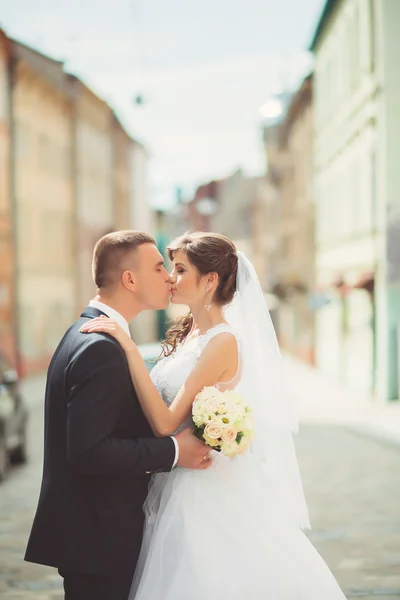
x: 229, y: 434
x: 213, y: 431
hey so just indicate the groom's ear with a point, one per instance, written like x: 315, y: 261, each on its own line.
x: 128, y: 280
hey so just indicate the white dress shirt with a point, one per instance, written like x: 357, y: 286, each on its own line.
x: 113, y: 314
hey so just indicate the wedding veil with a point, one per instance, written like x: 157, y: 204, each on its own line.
x: 262, y: 388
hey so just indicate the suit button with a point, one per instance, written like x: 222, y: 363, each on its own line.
x: 148, y: 472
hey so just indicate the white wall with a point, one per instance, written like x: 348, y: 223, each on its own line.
x: 347, y: 129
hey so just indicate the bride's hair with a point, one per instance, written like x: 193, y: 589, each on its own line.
x: 208, y: 253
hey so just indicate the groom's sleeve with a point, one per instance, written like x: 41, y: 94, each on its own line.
x: 97, y: 383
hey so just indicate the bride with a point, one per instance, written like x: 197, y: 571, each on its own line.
x: 235, y: 529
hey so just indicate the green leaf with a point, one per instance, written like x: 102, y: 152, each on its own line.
x: 239, y: 437
x: 198, y: 432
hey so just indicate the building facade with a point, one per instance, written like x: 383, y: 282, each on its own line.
x: 143, y: 218
x: 44, y: 207
x: 122, y: 151
x: 290, y: 220
x: 92, y: 150
x: 69, y: 173
x: 233, y: 206
x: 8, y: 325
x: 357, y: 125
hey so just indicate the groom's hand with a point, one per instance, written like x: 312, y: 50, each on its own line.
x: 193, y: 454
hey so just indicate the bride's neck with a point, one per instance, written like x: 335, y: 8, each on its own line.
x: 204, y: 320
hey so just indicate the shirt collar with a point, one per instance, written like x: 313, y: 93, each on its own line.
x: 113, y: 314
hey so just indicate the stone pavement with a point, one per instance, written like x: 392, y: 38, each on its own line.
x: 352, y: 484
x: 351, y: 474
x: 18, y: 499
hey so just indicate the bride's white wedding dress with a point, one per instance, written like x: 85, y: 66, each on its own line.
x: 219, y: 532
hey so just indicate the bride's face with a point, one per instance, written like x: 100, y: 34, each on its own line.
x: 188, y: 286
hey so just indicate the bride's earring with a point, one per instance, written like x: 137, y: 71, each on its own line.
x: 208, y: 306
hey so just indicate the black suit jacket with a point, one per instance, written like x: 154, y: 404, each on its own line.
x: 99, y: 452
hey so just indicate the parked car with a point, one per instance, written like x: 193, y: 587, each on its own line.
x: 13, y: 419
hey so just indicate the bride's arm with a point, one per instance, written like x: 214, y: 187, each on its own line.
x: 220, y: 353
x: 165, y: 420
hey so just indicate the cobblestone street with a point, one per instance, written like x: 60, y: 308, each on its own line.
x: 352, y: 484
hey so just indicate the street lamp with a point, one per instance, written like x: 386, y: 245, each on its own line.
x: 271, y: 109
x: 207, y: 207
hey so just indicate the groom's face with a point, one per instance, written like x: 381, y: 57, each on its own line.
x: 152, y: 281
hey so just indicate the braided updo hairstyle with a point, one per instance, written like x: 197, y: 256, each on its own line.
x: 208, y: 253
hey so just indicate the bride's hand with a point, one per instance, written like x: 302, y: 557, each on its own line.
x: 105, y: 325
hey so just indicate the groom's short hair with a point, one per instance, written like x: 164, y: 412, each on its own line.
x: 110, y: 252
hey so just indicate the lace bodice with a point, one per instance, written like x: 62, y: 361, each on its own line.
x: 171, y: 372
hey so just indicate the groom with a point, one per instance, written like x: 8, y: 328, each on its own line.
x: 99, y: 450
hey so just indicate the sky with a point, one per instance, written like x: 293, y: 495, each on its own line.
x: 203, y: 67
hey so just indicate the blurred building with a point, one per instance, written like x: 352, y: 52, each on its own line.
x: 232, y: 217
x: 240, y: 215
x: 142, y: 217
x: 92, y: 127
x: 201, y: 209
x: 175, y: 217
x: 256, y: 246
x: 289, y: 220
x: 235, y: 207
x: 276, y: 163
x: 69, y: 173
x: 357, y: 124
x: 43, y: 203
x: 110, y: 179
x: 122, y: 153
x: 7, y: 257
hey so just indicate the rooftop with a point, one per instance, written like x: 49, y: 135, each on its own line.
x: 326, y: 14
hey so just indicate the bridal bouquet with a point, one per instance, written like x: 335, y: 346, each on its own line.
x: 222, y: 421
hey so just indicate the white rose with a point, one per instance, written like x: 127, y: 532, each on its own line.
x: 198, y: 407
x: 211, y: 404
x: 244, y: 444
x: 231, y: 399
x: 208, y: 392
x: 239, y: 410
x: 230, y: 448
x: 198, y: 420
x: 225, y: 420
x: 208, y: 418
x: 246, y: 424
